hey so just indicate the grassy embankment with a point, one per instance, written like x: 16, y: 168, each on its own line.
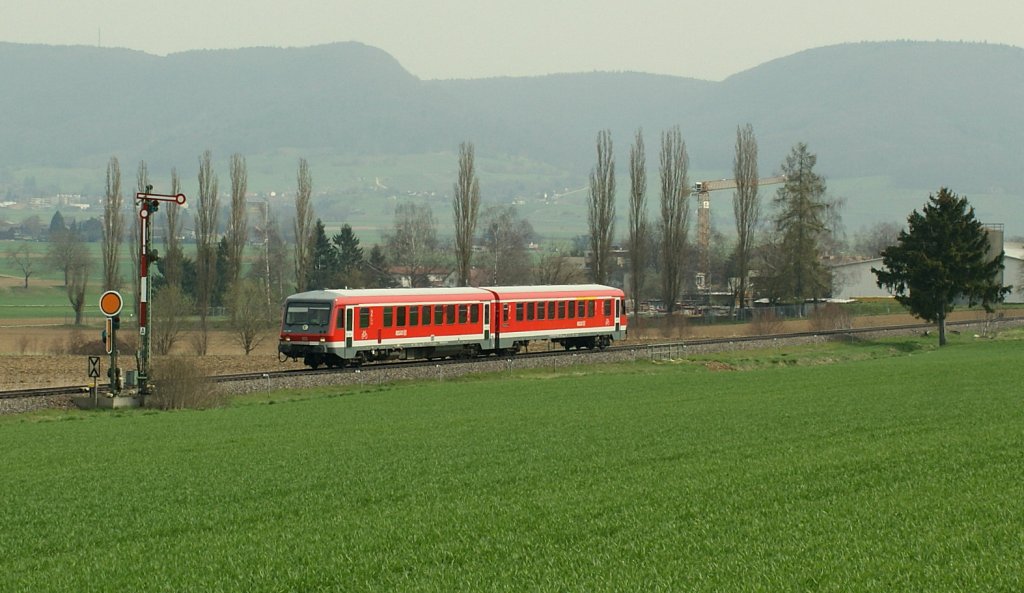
x: 888, y: 466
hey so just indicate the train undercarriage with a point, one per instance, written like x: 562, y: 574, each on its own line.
x: 315, y: 357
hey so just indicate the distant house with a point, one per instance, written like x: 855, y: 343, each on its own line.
x: 435, y: 277
x: 854, y: 280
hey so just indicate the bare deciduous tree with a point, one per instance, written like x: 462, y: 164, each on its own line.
x: 113, y: 226
x: 413, y: 243
x: 21, y: 257
x: 206, y: 246
x: 675, y: 215
x: 61, y: 251
x: 555, y: 267
x: 871, y: 242
x: 303, y: 226
x: 248, y: 314
x: 238, y: 227
x: 505, y: 238
x: 466, y: 204
x: 169, y: 306
x: 77, y: 275
x: 638, y: 226
x: 601, y: 212
x: 746, y: 204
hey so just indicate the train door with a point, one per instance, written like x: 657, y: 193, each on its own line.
x: 349, y: 325
x: 618, y: 313
x: 487, y: 321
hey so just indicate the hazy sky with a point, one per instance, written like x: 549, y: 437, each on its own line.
x: 709, y: 39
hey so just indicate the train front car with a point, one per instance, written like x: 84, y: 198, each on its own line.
x: 350, y: 327
x: 313, y: 327
x: 572, y: 316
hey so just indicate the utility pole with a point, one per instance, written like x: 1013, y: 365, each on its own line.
x: 149, y: 203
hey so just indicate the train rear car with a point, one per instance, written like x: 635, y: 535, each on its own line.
x: 572, y: 316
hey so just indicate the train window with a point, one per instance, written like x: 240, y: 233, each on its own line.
x: 400, y: 316
x: 571, y: 309
x: 474, y: 313
x: 426, y: 314
x: 340, y: 323
x: 607, y: 308
x: 590, y: 308
x: 389, y: 315
x: 487, y: 313
x: 531, y: 311
x: 561, y: 309
x: 438, y: 314
x: 414, y: 316
x: 364, y: 317
x: 504, y: 312
x: 296, y: 314
x: 318, y: 314
x: 463, y: 313
x: 551, y: 309
x: 580, y: 305
x: 519, y: 311
x: 541, y: 311
x: 449, y: 314
x: 618, y: 307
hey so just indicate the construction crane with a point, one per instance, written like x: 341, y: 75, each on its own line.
x: 702, y: 190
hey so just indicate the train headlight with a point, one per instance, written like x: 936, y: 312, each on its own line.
x: 322, y: 340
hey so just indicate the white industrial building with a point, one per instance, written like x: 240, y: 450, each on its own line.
x: 854, y: 280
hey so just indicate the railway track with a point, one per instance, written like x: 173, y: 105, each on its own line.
x: 684, y: 345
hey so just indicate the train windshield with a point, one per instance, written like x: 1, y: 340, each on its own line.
x: 307, y: 314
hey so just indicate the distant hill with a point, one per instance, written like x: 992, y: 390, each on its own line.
x: 917, y: 114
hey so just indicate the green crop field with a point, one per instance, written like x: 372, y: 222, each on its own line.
x: 881, y: 466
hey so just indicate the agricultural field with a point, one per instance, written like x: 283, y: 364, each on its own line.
x: 875, y: 466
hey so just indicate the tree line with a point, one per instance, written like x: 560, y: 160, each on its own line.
x: 787, y: 247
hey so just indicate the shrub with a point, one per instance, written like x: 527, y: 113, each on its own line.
x: 829, y: 317
x: 179, y: 383
x: 766, y: 321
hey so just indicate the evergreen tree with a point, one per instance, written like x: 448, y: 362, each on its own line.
x: 222, y: 281
x: 324, y: 259
x: 800, y: 222
x: 349, y: 256
x: 377, y: 267
x: 943, y: 257
x: 57, y: 225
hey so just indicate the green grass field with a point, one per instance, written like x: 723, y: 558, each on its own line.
x: 890, y: 466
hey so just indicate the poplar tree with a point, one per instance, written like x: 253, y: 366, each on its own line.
x: 675, y: 215
x: 113, y: 226
x: 638, y: 225
x: 466, y: 206
x: 746, y: 204
x: 601, y: 211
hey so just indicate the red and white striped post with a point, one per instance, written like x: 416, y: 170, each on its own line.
x: 149, y: 204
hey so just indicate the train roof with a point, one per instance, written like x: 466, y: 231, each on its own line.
x: 553, y: 288
x: 464, y: 291
x: 330, y: 294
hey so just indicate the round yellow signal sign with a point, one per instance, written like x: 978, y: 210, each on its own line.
x: 110, y: 303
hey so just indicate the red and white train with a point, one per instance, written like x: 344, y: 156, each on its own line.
x: 350, y: 327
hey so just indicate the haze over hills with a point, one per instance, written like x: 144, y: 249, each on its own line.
x: 907, y: 116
